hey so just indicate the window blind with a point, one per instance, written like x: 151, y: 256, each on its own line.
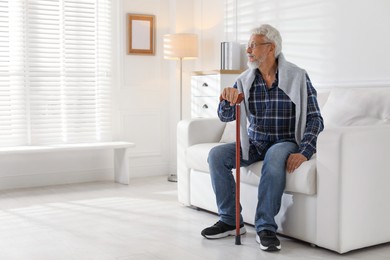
x: 55, y: 65
x: 12, y: 95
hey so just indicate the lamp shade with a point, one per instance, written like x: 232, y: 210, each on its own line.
x: 180, y: 46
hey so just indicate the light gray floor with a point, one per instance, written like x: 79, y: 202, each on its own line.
x: 105, y: 220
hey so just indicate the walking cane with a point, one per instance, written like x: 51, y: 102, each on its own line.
x: 238, y: 143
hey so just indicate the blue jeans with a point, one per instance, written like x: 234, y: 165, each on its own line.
x: 272, y: 182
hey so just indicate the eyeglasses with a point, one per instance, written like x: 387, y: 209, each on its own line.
x: 253, y: 45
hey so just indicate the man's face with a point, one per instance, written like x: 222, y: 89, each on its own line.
x: 257, y: 50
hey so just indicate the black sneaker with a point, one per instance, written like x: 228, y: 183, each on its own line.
x: 268, y: 241
x: 220, y: 229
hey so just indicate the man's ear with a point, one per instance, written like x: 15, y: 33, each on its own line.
x: 273, y: 48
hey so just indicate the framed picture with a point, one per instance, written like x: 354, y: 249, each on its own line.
x: 141, y: 34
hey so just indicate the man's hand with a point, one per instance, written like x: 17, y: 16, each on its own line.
x: 230, y: 94
x: 294, y: 161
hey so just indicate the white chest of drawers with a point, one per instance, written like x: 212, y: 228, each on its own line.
x: 206, y: 88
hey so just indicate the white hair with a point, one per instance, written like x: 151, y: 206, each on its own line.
x: 272, y: 35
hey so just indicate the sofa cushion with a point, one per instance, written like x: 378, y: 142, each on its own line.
x: 302, y: 180
x: 196, y: 157
x: 229, y: 133
x: 322, y: 97
x: 357, y: 107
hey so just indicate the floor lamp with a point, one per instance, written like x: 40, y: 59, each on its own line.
x: 180, y: 46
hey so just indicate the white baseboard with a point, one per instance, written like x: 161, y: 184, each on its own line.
x: 148, y: 170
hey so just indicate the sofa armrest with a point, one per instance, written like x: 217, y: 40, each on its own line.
x: 353, y: 176
x: 190, y: 132
x: 200, y: 130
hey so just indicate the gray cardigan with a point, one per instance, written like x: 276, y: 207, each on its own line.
x: 292, y: 80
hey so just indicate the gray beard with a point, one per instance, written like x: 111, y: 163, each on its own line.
x: 253, y: 64
x: 256, y: 64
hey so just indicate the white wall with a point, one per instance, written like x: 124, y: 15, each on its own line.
x: 142, y: 93
x: 147, y: 107
x: 361, y: 42
x: 209, y: 24
x: 339, y: 42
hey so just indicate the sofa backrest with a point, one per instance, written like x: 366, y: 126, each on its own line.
x: 357, y: 107
x: 322, y: 97
x: 345, y: 107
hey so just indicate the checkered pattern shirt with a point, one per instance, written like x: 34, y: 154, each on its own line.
x: 272, y: 116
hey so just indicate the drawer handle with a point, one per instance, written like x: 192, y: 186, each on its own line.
x: 205, y: 106
x: 205, y: 85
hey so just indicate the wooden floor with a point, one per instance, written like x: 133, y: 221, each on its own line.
x: 107, y: 221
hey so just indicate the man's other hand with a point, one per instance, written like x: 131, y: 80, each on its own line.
x: 294, y: 161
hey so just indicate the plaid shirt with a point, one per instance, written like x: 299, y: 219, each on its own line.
x: 272, y: 116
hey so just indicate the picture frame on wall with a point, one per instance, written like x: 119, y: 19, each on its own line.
x: 141, y: 34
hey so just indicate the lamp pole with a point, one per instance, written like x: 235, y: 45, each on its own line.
x: 181, y: 88
x: 173, y: 177
x: 179, y: 46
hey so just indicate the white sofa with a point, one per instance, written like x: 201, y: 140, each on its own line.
x: 339, y: 199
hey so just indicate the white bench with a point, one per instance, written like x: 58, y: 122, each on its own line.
x: 121, y: 165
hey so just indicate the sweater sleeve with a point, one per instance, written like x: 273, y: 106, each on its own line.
x: 314, y: 123
x: 226, y: 112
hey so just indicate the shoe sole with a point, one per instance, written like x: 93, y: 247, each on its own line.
x: 271, y: 248
x: 225, y: 234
